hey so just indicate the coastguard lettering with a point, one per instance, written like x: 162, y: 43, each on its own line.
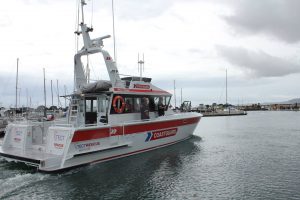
x: 155, y: 135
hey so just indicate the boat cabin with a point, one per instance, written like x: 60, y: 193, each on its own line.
x: 138, y: 100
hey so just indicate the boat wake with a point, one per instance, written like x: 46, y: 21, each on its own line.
x: 13, y: 183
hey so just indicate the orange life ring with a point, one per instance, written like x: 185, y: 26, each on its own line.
x: 122, y: 107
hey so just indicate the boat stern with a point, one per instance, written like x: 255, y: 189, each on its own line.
x: 36, y: 145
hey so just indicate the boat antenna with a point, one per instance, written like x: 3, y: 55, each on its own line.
x: 114, y: 34
x: 65, y: 88
x: 88, y: 74
x: 92, y: 14
x: 82, y: 15
x: 141, y: 67
x: 77, y: 26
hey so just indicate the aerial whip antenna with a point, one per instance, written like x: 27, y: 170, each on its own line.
x: 114, y: 35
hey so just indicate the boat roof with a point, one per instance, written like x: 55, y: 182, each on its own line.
x: 133, y: 86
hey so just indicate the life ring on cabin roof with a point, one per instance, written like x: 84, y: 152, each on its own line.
x: 119, y: 107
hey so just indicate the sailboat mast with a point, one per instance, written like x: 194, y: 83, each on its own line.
x: 226, y: 88
x: 175, y: 93
x: 51, y: 94
x: 17, y: 83
x: 44, y: 93
x: 57, y: 93
x: 180, y: 96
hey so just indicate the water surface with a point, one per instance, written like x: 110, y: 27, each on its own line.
x: 243, y: 157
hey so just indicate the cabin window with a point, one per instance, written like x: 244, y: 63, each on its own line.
x: 102, y: 105
x: 91, y: 105
x: 165, y: 100
x: 103, y: 108
x: 151, y: 104
x: 137, y: 104
x: 132, y: 103
x: 129, y: 106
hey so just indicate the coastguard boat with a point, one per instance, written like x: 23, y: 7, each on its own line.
x: 106, y: 120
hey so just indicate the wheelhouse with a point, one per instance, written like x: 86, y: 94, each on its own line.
x: 103, y: 108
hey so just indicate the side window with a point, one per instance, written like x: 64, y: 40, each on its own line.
x: 152, y: 104
x: 167, y: 101
x: 94, y: 103
x: 102, y: 104
x: 90, y: 105
x: 129, y: 106
x: 156, y: 103
x: 164, y: 100
x: 136, y: 104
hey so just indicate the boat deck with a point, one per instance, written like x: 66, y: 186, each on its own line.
x: 31, y: 156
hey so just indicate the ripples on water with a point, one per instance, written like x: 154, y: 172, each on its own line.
x: 248, y: 157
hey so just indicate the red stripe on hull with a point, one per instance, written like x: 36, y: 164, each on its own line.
x: 83, y: 135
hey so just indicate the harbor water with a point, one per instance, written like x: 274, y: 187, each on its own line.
x: 256, y: 156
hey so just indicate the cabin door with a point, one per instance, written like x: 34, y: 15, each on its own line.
x: 90, y: 110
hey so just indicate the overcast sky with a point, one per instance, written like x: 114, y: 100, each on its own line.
x: 190, y: 41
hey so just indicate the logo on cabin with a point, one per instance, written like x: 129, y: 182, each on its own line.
x: 58, y: 145
x: 140, y: 86
x: 156, y: 135
x: 58, y: 141
x: 59, y: 138
x: 18, y: 136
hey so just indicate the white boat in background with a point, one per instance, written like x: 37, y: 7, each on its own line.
x: 106, y: 120
x: 3, y: 121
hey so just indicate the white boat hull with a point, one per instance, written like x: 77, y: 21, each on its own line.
x: 68, y: 147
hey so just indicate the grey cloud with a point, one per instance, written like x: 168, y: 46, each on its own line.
x: 279, y: 18
x: 135, y: 9
x: 258, y: 64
